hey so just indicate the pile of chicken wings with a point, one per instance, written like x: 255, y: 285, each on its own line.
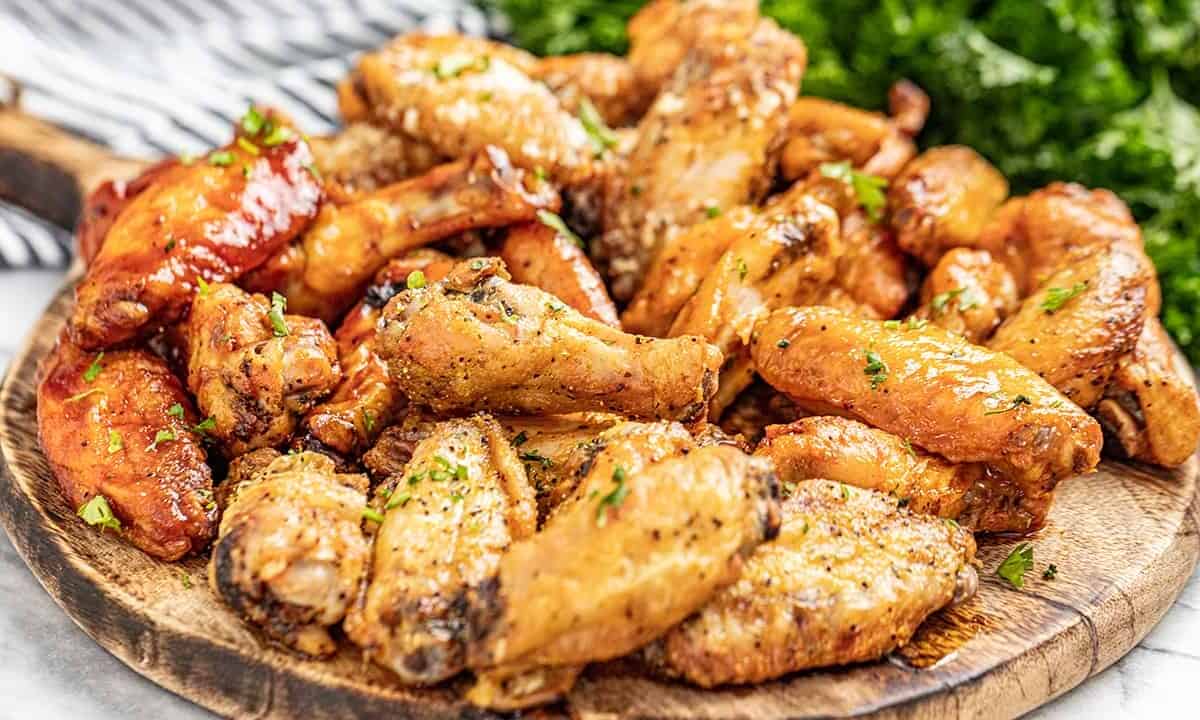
x: 545, y: 362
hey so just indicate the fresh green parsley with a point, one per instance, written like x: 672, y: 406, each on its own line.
x: 204, y: 426
x: 539, y: 172
x: 712, y: 211
x: 372, y: 514
x: 556, y: 223
x: 186, y: 580
x: 93, y: 370
x: 115, y: 443
x: 176, y: 410
x: 783, y: 343
x: 160, y: 437
x: 1015, y: 403
x: 455, y: 65
x: 253, y: 121
x: 534, y: 456
x: 202, y: 286
x: 398, y: 500
x: 368, y: 419
x: 220, y: 158
x: 909, y: 448
x: 97, y: 512
x: 520, y: 439
x: 891, y: 324
x: 601, y: 136
x: 869, y: 188
x: 277, y: 135
x: 456, y: 497
x: 1018, y: 562
x: 1050, y: 572
x: 248, y: 146
x: 170, y: 243
x: 845, y: 491
x: 1056, y: 297
x: 876, y: 369
x: 614, y: 498
x: 278, y: 306
x: 967, y: 300
x: 742, y: 269
x: 415, y: 280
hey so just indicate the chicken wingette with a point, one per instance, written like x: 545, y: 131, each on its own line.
x: 548, y: 258
x: 291, y: 551
x: 662, y: 32
x: 476, y: 341
x: 969, y: 293
x: 849, y: 579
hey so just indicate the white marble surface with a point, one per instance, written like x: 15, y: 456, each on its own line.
x: 50, y: 669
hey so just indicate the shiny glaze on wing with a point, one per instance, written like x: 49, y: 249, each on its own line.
x: 106, y: 202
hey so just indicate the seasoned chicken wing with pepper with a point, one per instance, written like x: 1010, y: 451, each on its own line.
x: 704, y: 146
x: 844, y: 450
x: 254, y: 370
x: 362, y: 158
x: 952, y: 398
x: 1150, y: 408
x: 213, y: 219
x: 476, y: 341
x: 968, y: 292
x: 607, y: 81
x: 462, y: 500
x: 641, y: 545
x: 552, y: 259
x: 119, y: 433
x: 942, y: 200
x: 663, y: 31
x: 1080, y: 322
x: 292, y: 551
x: 350, y: 242
x: 849, y: 579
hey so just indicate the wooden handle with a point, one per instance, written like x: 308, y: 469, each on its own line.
x: 50, y: 171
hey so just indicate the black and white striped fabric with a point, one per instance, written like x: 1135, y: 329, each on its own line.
x: 155, y: 77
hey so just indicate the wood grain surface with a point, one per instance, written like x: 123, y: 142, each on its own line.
x: 1124, y: 540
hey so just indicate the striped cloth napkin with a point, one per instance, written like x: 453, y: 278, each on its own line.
x: 156, y: 77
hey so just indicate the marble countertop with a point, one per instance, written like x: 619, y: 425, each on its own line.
x: 49, y: 668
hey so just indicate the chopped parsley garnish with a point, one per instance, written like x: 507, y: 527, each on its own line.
x: 891, y: 324
x: 253, y: 121
x: 845, y: 491
x: 368, y: 419
x: 248, y: 146
x: 1051, y: 572
x: 539, y: 172
x: 909, y: 448
x: 869, y: 188
x: 783, y: 343
x: 277, y: 135
x: 372, y: 514
x: 455, y: 65
x: 186, y: 580
x: 93, y: 370
x: 221, y: 158
x: 82, y: 395
x: 176, y: 411
x: 97, y: 512
x: 456, y: 498
x: 278, y: 305
x: 916, y: 323
x: 742, y: 269
x: 536, y: 457
x: 1018, y: 562
x: 556, y: 223
x: 160, y: 437
x: 1016, y: 402
x: 876, y: 369
x: 601, y: 136
x: 712, y: 211
x: 170, y: 243
x: 614, y: 498
x: 485, y: 96
x: 1056, y: 297
x: 967, y: 300
x: 204, y: 426
x: 115, y: 443
x: 398, y: 500
x: 520, y: 439
x: 415, y: 280
x: 202, y: 286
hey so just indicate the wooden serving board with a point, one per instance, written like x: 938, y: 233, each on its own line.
x: 1124, y: 540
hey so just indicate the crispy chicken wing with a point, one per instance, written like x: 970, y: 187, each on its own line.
x: 845, y: 450
x: 539, y: 255
x: 292, y: 551
x: 663, y: 31
x: 704, y: 146
x: 942, y: 199
x: 349, y: 243
x: 1151, y: 409
x: 362, y: 158
x: 118, y: 425
x: 213, y: 219
x: 607, y: 81
x: 961, y: 401
x: 461, y: 94
x: 968, y: 293
x: 1083, y: 319
x: 254, y: 370
x: 849, y: 579
x: 462, y: 501
x: 478, y: 342
x: 636, y: 550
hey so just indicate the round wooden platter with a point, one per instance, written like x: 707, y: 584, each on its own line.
x: 1124, y: 540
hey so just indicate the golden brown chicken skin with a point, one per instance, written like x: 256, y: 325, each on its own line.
x: 607, y: 81
x: 476, y: 341
x: 1080, y: 322
x: 632, y: 553
x: 942, y: 200
x: 215, y: 219
x: 460, y: 503
x: 365, y: 403
x: 1150, y: 408
x: 106, y: 202
x: 849, y: 579
x: 952, y: 398
x: 873, y: 271
x: 847, y: 451
x: 119, y: 425
x: 362, y: 158
x: 460, y: 94
x: 663, y: 31
x: 349, y: 243
x: 969, y: 293
x: 539, y: 255
x: 253, y: 369
x: 705, y: 146
x: 292, y: 550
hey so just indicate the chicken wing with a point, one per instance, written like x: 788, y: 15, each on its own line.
x: 462, y: 94
x: 704, y: 146
x: 968, y: 293
x: 1151, y: 409
x: 634, y: 552
x: 292, y: 551
x: 106, y: 202
x: 942, y: 200
x: 213, y: 219
x: 541, y: 255
x: 960, y: 401
x: 478, y: 342
x: 461, y: 502
x: 849, y: 579
x: 362, y: 158
x: 663, y: 31
x: 847, y: 451
x: 365, y: 402
x: 349, y: 243
x: 1075, y: 328
x: 607, y: 81
x: 117, y: 431
x: 254, y: 370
